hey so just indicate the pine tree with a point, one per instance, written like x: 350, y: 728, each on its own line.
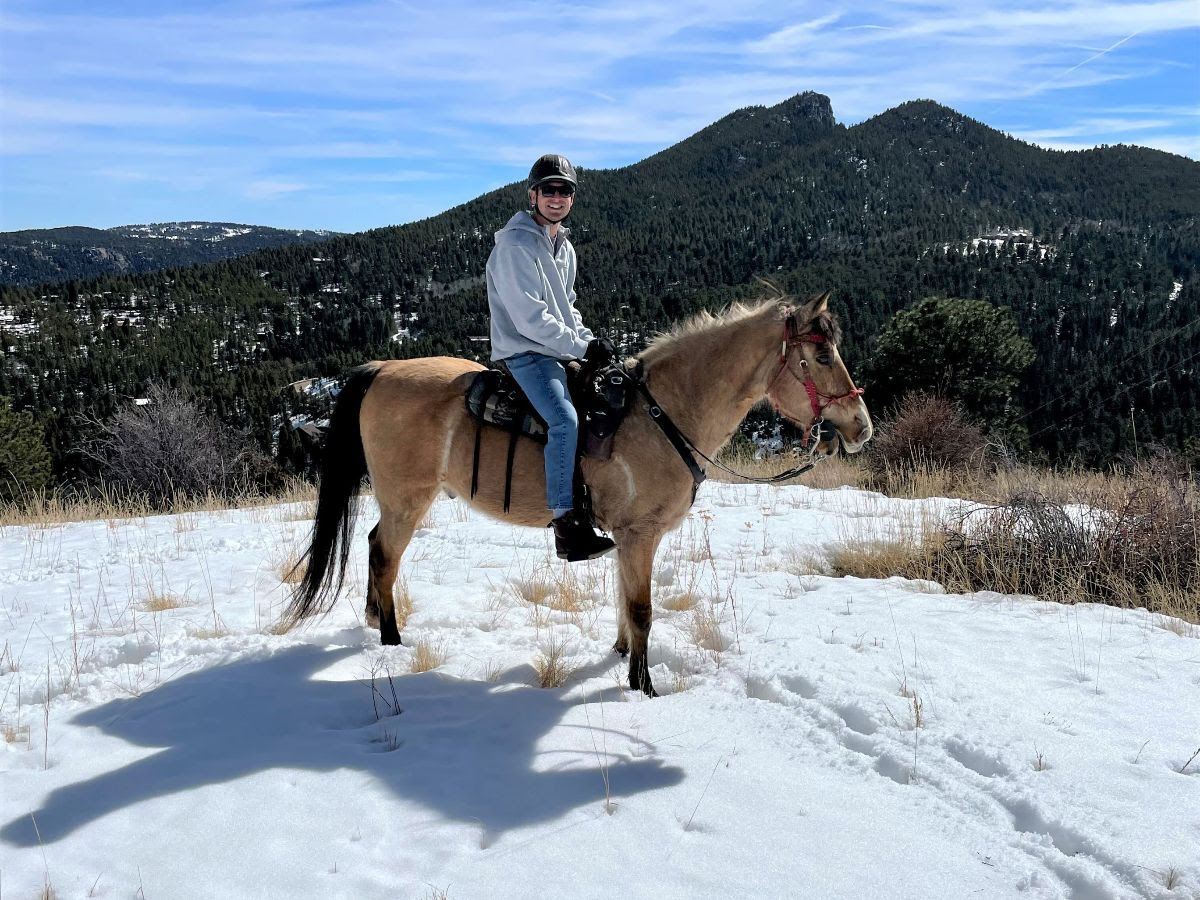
x: 24, y: 458
x: 968, y: 351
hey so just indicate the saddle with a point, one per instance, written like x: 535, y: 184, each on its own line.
x: 601, y: 398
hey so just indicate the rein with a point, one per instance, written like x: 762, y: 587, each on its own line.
x: 685, y: 448
x: 688, y: 451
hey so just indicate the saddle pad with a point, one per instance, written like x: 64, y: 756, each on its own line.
x: 494, y: 398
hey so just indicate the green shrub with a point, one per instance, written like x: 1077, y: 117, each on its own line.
x: 968, y: 351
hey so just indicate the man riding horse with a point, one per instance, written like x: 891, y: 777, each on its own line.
x: 406, y: 425
x: 535, y: 329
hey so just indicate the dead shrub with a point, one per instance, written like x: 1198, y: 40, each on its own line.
x: 1132, y: 543
x: 171, y: 450
x: 927, y: 433
x: 1140, y: 551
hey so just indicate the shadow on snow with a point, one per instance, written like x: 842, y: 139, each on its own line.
x: 465, y: 749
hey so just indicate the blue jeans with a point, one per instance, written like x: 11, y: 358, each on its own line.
x: 544, y: 381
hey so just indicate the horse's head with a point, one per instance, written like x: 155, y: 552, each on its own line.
x: 812, y: 386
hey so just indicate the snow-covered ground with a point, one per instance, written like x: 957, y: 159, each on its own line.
x: 818, y: 737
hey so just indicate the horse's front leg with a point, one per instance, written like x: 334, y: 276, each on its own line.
x: 635, y: 559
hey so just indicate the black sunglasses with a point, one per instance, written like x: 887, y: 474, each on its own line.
x: 557, y: 190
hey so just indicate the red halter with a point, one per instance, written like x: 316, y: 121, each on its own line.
x: 818, y: 400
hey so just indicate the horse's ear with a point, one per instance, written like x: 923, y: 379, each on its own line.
x: 815, y: 307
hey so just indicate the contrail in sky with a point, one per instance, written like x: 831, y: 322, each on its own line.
x: 1091, y: 58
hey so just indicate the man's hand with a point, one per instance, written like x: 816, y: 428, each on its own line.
x: 600, y: 352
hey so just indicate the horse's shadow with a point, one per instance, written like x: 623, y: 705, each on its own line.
x: 464, y: 749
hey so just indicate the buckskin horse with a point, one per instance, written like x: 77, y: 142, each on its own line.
x: 404, y: 423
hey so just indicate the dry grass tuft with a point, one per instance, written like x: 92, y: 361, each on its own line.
x: 925, y: 479
x: 427, y: 656
x: 14, y: 733
x: 553, y: 669
x: 570, y: 594
x: 105, y: 502
x: 208, y: 634
x: 681, y: 681
x: 292, y: 568
x: 705, y: 630
x: 882, y: 559
x: 157, y: 603
x: 680, y: 602
x: 1171, y: 878
x: 1184, y: 627
x: 560, y: 589
x: 402, y: 601
x: 532, y: 589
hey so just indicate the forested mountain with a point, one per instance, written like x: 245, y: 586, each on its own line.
x: 42, y: 255
x: 1096, y: 252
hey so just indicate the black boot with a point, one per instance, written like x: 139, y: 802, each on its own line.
x: 575, y: 541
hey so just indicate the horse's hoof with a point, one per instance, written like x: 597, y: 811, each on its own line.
x: 645, y: 687
x: 641, y: 682
x: 622, y: 648
x: 389, y: 639
x: 372, y: 616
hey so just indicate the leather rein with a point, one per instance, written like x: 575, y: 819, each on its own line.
x: 688, y: 451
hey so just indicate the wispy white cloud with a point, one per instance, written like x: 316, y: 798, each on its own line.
x: 261, y: 190
x: 793, y: 37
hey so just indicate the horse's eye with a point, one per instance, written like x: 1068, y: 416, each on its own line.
x: 825, y: 358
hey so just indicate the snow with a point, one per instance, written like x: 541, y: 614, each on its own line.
x: 832, y: 737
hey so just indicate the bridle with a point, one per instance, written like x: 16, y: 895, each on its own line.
x: 819, y: 401
x: 688, y: 451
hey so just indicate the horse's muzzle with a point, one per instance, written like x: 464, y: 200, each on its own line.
x: 854, y: 434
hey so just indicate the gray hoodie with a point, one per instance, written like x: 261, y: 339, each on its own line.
x: 531, y: 293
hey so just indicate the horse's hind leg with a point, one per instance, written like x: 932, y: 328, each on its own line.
x: 375, y: 563
x: 635, y: 559
x: 388, y: 541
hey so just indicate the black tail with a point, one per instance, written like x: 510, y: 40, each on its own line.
x: 343, y: 467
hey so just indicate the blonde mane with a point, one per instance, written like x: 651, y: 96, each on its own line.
x: 705, y: 325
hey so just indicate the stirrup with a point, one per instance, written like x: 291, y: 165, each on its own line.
x: 576, y: 541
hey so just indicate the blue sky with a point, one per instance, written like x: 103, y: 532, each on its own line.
x: 354, y: 115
